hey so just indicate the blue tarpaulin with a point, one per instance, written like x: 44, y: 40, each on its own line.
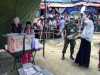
x: 92, y: 10
x: 76, y: 10
x: 72, y: 10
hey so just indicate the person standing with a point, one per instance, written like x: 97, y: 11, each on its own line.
x: 62, y: 24
x: 26, y: 57
x: 83, y: 55
x: 70, y: 32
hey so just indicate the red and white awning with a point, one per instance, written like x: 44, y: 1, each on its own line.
x: 72, y: 5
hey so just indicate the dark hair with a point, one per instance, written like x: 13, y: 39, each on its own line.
x: 76, y: 21
x: 89, y: 14
x: 28, y: 22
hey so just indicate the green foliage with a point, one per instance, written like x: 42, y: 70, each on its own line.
x: 28, y: 7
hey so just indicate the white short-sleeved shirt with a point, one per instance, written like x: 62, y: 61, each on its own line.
x: 88, y: 30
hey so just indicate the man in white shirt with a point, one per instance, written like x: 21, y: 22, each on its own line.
x: 83, y: 55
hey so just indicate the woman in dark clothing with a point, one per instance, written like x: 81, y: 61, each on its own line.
x: 83, y: 55
x: 16, y: 26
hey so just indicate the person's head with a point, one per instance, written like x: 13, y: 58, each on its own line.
x: 28, y: 27
x: 76, y: 21
x: 28, y: 24
x: 16, y: 20
x: 71, y: 18
x: 88, y: 15
x: 62, y: 17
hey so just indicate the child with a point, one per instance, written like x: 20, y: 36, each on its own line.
x: 27, y: 55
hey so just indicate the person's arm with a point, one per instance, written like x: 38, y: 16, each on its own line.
x: 65, y: 30
x: 75, y: 35
x: 65, y: 27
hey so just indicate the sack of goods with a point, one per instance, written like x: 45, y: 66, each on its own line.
x: 30, y: 69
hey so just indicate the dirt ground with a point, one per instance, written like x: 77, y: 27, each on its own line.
x: 52, y: 60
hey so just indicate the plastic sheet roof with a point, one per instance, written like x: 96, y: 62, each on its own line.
x: 98, y: 1
x: 95, y: 3
x: 72, y: 5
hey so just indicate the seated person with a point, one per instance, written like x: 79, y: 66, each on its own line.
x: 16, y: 26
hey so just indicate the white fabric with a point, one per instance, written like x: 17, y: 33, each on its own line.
x: 27, y: 71
x: 88, y: 30
x: 36, y: 44
x: 83, y: 9
x: 62, y: 24
x: 52, y: 23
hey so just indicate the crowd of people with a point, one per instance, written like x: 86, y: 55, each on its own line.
x: 54, y: 23
x: 66, y: 26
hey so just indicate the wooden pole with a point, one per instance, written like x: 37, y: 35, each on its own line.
x: 44, y: 29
